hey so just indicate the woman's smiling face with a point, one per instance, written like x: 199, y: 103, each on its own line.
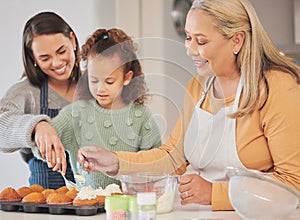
x: 54, y: 54
x: 211, y: 52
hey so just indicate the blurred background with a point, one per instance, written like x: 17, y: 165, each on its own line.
x: 157, y: 27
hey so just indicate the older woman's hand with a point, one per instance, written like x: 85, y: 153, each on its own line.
x: 50, y: 146
x: 96, y: 158
x: 194, y: 189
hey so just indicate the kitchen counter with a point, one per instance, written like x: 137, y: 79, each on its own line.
x: 199, y: 213
x: 192, y: 212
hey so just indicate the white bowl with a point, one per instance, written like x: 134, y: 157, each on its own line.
x: 256, y: 196
x: 165, y: 186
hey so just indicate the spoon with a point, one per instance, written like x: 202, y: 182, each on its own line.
x: 79, y: 176
x: 69, y: 184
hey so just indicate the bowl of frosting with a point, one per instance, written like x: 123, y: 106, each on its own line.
x: 164, y: 185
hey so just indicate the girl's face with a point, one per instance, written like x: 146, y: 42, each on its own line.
x: 106, y: 80
x: 211, y: 52
x: 54, y: 54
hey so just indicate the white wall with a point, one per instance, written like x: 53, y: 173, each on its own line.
x: 279, y: 20
x: 83, y: 16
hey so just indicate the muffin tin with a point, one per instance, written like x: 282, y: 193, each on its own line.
x: 51, y: 208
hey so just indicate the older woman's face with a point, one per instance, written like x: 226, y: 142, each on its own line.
x: 211, y: 52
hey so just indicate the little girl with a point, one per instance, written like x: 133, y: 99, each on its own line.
x: 112, y: 113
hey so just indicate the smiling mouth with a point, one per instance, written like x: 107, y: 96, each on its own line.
x: 61, y: 70
x: 200, y: 63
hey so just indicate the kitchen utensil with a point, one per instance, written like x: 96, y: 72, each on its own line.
x: 69, y: 184
x: 79, y: 176
x: 164, y: 185
x: 255, y: 195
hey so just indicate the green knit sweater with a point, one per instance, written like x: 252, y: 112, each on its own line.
x: 83, y: 123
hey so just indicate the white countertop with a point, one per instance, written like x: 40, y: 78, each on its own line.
x: 175, y: 215
x: 189, y: 212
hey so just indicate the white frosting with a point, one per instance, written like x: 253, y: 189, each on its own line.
x: 88, y: 192
x: 113, y: 188
x: 102, y: 192
x: 165, y: 202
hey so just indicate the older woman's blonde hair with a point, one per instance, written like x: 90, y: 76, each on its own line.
x: 258, y: 53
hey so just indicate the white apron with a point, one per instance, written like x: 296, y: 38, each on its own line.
x: 210, y: 139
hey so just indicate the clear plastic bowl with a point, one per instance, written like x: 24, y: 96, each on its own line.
x: 254, y: 195
x: 165, y: 186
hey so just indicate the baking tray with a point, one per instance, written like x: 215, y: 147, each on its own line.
x: 51, y: 208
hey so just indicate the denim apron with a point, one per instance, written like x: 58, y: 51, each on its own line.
x: 210, y: 139
x: 39, y: 171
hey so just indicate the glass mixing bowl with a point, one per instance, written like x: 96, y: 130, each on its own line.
x: 164, y: 185
x: 254, y: 195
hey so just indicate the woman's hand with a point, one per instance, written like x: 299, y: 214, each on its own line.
x: 194, y: 189
x: 50, y: 146
x: 96, y: 158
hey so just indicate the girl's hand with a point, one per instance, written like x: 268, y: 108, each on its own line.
x: 50, y: 146
x: 96, y: 158
x: 194, y: 189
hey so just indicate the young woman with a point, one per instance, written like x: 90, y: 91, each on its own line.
x: 51, y: 71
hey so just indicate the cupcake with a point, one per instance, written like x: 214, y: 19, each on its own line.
x: 37, y: 188
x: 58, y: 198
x: 62, y: 190
x: 72, y: 193
x: 111, y: 189
x: 34, y: 197
x: 86, y: 197
x: 47, y: 192
x: 10, y: 194
x: 23, y: 191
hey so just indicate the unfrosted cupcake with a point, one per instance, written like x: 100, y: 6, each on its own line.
x: 34, y: 197
x: 23, y: 191
x: 58, y: 198
x: 37, y: 188
x: 72, y: 193
x: 62, y: 190
x: 47, y: 192
x: 10, y: 194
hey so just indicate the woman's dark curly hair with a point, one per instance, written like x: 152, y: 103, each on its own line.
x: 116, y: 42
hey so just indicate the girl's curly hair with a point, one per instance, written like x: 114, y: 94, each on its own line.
x: 115, y: 41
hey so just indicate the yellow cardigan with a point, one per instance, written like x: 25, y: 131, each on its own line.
x: 267, y: 140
